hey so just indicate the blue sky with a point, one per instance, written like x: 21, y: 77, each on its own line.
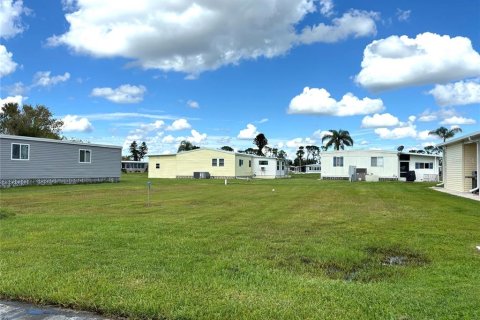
x: 217, y: 73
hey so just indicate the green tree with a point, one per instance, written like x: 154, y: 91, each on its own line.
x: 29, y: 121
x: 250, y: 151
x: 260, y: 141
x: 282, y: 154
x: 186, y: 145
x: 134, y: 153
x: 445, y: 133
x: 338, y: 139
x: 226, y: 148
x: 300, y: 153
x: 142, y: 151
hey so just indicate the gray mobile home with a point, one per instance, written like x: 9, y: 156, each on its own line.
x: 39, y: 161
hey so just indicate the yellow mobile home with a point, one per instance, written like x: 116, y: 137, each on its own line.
x: 215, y: 163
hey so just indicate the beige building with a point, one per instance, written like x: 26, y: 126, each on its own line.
x: 461, y: 163
x: 217, y: 163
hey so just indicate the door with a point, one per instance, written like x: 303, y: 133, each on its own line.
x: 404, y: 168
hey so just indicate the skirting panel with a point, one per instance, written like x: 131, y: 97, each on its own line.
x: 9, y: 183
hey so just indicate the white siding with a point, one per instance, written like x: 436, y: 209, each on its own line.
x: 424, y: 174
x: 360, y: 159
x: 469, y: 164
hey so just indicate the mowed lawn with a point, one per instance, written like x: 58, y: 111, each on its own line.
x: 308, y: 250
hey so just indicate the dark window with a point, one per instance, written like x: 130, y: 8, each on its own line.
x: 221, y: 162
x: 278, y: 165
x: 240, y: 162
x: 214, y: 162
x: 404, y: 157
x: 338, y: 161
x: 157, y: 165
x: 263, y: 162
x: 249, y: 163
x: 377, y: 161
x: 85, y: 156
x: 20, y: 151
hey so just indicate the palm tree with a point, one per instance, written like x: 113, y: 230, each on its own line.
x: 338, y: 139
x: 445, y: 133
x: 260, y: 141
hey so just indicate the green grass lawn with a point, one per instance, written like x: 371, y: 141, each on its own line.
x: 308, y: 250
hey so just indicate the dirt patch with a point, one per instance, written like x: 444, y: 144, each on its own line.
x: 380, y: 264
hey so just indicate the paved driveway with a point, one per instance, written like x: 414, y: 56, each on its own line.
x: 17, y: 310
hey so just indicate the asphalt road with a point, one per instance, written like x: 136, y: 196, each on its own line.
x: 10, y: 310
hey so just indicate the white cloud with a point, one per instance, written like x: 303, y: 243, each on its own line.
x: 297, y: 142
x: 319, y: 134
x: 263, y: 120
x: 179, y: 124
x: 197, y: 137
x: 14, y: 99
x: 457, y: 120
x: 10, y: 18
x: 250, y: 132
x: 318, y: 101
x: 364, y: 143
x: 397, y: 62
x: 168, y: 139
x: 73, y: 123
x: 193, y: 104
x: 126, y: 115
x: 159, y: 124
x: 7, y: 65
x: 427, y: 116
x: 326, y: 7
x: 403, y: 15
x: 380, y: 120
x: 396, y: 133
x: 43, y: 79
x: 458, y: 93
x: 194, y: 36
x: 124, y: 94
x: 353, y: 23
x: 423, y: 135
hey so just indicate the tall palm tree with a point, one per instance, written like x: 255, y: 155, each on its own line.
x: 445, y: 133
x: 338, y: 139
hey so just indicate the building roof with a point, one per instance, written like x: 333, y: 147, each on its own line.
x: 475, y: 136
x: 211, y: 149
x: 390, y: 152
x: 24, y: 138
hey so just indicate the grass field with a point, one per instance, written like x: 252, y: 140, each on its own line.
x: 308, y: 250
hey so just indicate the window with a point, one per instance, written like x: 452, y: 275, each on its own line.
x: 283, y: 165
x: 240, y: 162
x: 249, y: 163
x: 377, y: 161
x: 85, y: 156
x: 221, y: 162
x: 338, y: 161
x: 214, y: 162
x: 157, y: 166
x: 20, y: 151
x: 423, y: 165
x: 278, y: 165
x: 263, y: 162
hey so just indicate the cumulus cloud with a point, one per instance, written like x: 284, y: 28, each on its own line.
x: 123, y: 94
x: 194, y: 36
x: 250, y: 132
x: 73, y: 123
x: 424, y: 135
x: 396, y: 133
x: 318, y: 101
x: 193, y: 104
x: 353, y: 23
x: 168, y: 139
x: 457, y: 121
x: 427, y: 116
x: 10, y: 18
x: 7, y: 65
x: 319, y: 134
x: 179, y: 124
x: 458, y: 93
x: 380, y: 120
x: 197, y: 137
x: 14, y: 99
x: 43, y: 79
x: 397, y: 62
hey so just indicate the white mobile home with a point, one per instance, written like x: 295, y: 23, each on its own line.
x: 39, y: 161
x: 269, y: 168
x: 134, y: 166
x: 461, y: 163
x: 374, y: 165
